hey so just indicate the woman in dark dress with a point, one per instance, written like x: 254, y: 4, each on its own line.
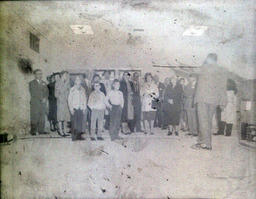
x: 52, y: 116
x: 172, y: 105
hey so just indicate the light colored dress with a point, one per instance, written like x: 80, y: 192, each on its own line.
x: 61, y: 93
x: 149, y: 92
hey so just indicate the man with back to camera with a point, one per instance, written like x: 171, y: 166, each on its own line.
x: 38, y: 103
x: 210, y: 92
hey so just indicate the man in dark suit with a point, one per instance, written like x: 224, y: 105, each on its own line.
x: 136, y: 123
x: 210, y: 93
x: 38, y: 103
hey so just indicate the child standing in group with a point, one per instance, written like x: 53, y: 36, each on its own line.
x: 116, y: 100
x: 77, y: 103
x: 97, y: 103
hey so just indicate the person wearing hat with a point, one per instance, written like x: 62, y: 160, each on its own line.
x: 210, y: 93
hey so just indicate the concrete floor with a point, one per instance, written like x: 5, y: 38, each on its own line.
x: 141, y: 166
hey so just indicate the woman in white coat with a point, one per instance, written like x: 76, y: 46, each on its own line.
x: 228, y: 114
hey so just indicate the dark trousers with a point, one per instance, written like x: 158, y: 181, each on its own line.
x: 77, y: 124
x: 107, y: 122
x: 89, y: 113
x: 205, y: 115
x: 158, y: 119
x: 37, y: 118
x: 244, y: 127
x: 115, y: 121
x: 192, y: 120
x: 85, y: 122
x: 225, y: 128
x: 136, y: 123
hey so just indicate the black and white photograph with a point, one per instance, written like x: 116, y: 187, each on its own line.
x: 128, y: 99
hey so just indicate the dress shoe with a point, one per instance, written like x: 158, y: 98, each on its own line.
x: 127, y: 133
x: 204, y: 146
x: 201, y: 146
x: 43, y: 133
x: 80, y: 138
x: 196, y: 146
x: 100, y: 138
x: 93, y: 139
x: 169, y: 133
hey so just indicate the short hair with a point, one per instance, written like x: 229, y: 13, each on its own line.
x: 212, y: 56
x: 83, y: 75
x: 192, y: 75
x: 106, y: 71
x: 63, y: 72
x: 126, y: 72
x: 37, y: 70
x: 115, y: 81
x: 136, y: 73
x: 231, y: 85
x: 146, y: 76
x: 96, y: 83
x: 95, y: 75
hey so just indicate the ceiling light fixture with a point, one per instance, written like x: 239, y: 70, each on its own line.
x: 195, y: 31
x: 82, y: 29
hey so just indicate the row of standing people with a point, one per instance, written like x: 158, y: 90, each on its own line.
x: 146, y: 104
x: 141, y: 101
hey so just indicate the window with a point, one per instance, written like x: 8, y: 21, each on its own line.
x: 34, y: 42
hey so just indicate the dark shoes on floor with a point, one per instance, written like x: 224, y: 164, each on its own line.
x: 169, y: 133
x: 116, y: 138
x: 217, y: 134
x: 201, y: 146
x: 77, y: 137
x: 44, y: 133
x: 126, y: 133
x: 100, y: 138
x: 32, y: 133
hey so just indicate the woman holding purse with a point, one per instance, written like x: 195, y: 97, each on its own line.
x: 149, y: 96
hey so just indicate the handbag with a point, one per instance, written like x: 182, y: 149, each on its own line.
x: 155, y: 103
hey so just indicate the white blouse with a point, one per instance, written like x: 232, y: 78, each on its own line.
x: 77, y: 99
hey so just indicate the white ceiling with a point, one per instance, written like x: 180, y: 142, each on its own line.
x: 141, y: 32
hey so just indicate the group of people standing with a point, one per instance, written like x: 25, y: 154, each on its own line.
x: 130, y: 103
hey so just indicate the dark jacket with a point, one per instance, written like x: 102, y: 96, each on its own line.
x: 38, y: 92
x: 211, y: 86
x: 123, y: 88
x: 189, y: 95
